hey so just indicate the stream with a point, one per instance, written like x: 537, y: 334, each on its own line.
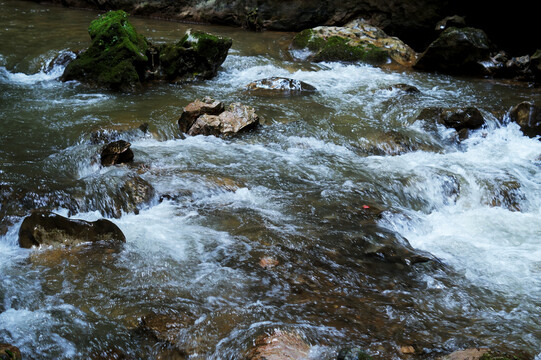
x: 374, y: 242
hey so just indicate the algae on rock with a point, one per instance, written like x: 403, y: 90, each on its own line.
x: 121, y: 59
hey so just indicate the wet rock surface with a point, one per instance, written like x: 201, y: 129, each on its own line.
x: 356, y: 41
x: 528, y: 116
x: 46, y: 228
x: 117, y: 152
x: 280, y: 86
x: 355, y: 353
x: 457, y: 51
x: 121, y: 59
x: 461, y: 119
x: 9, y: 352
x: 209, y: 117
x: 279, y: 345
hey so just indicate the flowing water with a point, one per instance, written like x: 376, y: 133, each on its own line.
x: 349, y: 214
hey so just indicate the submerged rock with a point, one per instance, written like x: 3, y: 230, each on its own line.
x: 121, y: 59
x: 279, y: 345
x: 165, y: 327
x: 354, y: 353
x: 356, y: 41
x: 457, y: 51
x: 46, y: 228
x: 528, y: 116
x: 461, y: 119
x: 406, y: 88
x: 467, y: 354
x: 9, y: 352
x: 280, y: 85
x: 117, y: 152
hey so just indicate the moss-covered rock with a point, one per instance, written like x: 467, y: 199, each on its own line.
x: 116, y: 58
x: 357, y: 41
x: 196, y: 55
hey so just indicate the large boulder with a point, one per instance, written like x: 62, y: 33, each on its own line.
x: 117, y: 152
x: 356, y: 41
x: 457, y: 51
x: 46, y: 228
x: 528, y: 116
x: 196, y: 55
x: 279, y: 345
x: 197, y: 108
x: 116, y: 57
x: 121, y: 59
x: 461, y: 119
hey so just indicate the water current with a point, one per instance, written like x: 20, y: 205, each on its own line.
x: 323, y: 188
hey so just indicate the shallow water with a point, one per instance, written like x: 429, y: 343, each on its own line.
x: 319, y: 187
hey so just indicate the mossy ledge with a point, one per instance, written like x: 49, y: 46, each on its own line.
x: 121, y: 59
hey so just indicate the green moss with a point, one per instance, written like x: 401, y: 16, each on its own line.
x: 116, y: 57
x: 301, y: 40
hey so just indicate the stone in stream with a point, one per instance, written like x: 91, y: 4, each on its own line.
x: 280, y: 86
x: 457, y: 51
x: 354, y: 353
x: 356, y: 41
x: 109, y: 135
x: 528, y: 116
x: 197, y: 108
x: 117, y: 152
x: 46, y: 228
x: 234, y: 119
x: 9, y: 352
x: 405, y: 88
x: 279, y: 345
x: 461, y: 119
x: 451, y: 21
x: 119, y: 58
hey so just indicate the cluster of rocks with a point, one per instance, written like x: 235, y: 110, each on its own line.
x: 119, y: 58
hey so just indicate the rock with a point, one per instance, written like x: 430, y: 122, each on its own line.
x: 165, y: 327
x: 62, y: 59
x: 116, y: 58
x: 117, y: 152
x: 46, y: 228
x: 134, y: 193
x: 506, y: 194
x: 268, y: 262
x: 121, y: 59
x: 354, y: 353
x: 393, y: 143
x: 468, y: 354
x: 279, y: 345
x: 235, y: 119
x: 406, y: 88
x: 103, y: 136
x: 535, y: 65
x: 407, y: 349
x: 528, y: 116
x: 198, y: 55
x: 9, y: 352
x: 457, y: 51
x: 280, y: 85
x: 460, y: 119
x: 451, y: 21
x: 197, y: 108
x: 110, y: 354
x: 357, y: 41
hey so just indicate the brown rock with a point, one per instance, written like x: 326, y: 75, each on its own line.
x: 9, y: 352
x: 197, y: 108
x: 408, y: 349
x: 165, y: 327
x: 279, y: 345
x: 280, y: 85
x: 235, y: 119
x: 46, y: 228
x: 528, y: 117
x: 468, y: 354
x: 457, y: 118
x: 268, y: 262
x: 117, y: 152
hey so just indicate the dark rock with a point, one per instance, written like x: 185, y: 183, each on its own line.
x: 278, y: 345
x: 280, y: 85
x: 468, y: 118
x: 9, y: 352
x: 535, y: 65
x: 356, y: 41
x: 62, y: 59
x: 197, y: 108
x: 528, y: 116
x: 117, y: 152
x: 506, y: 194
x: 46, y: 228
x: 133, y: 194
x: 116, y: 57
x: 457, y: 51
x: 451, y: 21
x: 198, y: 55
x: 354, y: 353
x: 234, y: 119
x: 408, y: 89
